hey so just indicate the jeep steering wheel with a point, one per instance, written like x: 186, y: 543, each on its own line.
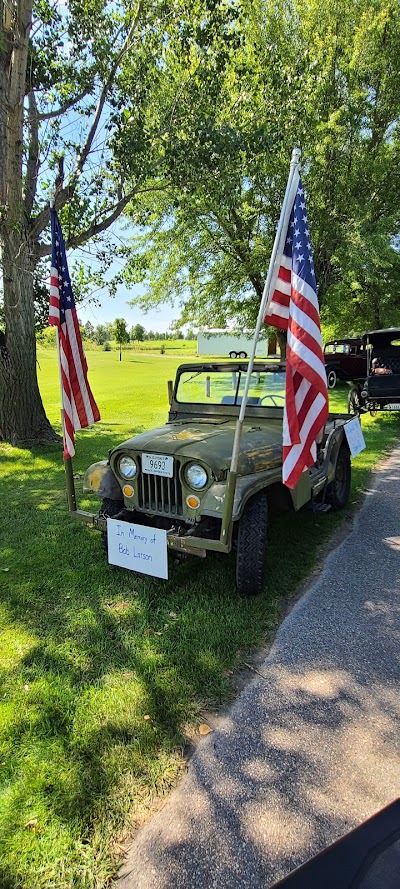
x: 272, y: 399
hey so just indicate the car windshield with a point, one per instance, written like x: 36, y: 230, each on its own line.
x: 267, y: 388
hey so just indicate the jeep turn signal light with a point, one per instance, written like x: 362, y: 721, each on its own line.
x: 193, y: 501
x: 128, y: 490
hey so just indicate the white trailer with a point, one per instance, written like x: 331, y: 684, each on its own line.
x: 230, y: 344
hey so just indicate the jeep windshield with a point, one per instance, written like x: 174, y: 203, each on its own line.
x: 215, y: 386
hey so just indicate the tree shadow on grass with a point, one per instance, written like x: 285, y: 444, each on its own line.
x: 99, y: 649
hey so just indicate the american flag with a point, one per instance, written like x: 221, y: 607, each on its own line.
x: 294, y: 307
x: 79, y: 406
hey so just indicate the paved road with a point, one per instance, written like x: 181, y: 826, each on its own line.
x: 310, y: 750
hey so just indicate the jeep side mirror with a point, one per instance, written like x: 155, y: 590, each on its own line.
x: 170, y: 390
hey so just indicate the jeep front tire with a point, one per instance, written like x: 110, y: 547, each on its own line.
x: 109, y: 508
x: 251, y: 546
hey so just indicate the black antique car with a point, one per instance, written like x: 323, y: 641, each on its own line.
x: 380, y: 391
x: 345, y: 360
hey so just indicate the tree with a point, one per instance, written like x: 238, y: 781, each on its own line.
x: 121, y: 334
x: 138, y: 333
x: 66, y: 78
x: 101, y: 334
x: 89, y: 330
x: 317, y: 74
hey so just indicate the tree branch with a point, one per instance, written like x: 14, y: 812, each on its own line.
x: 64, y: 195
x: 32, y: 168
x: 65, y: 107
x: 103, y: 95
x: 97, y: 227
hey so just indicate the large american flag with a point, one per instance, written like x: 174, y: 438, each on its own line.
x: 79, y: 406
x: 294, y: 307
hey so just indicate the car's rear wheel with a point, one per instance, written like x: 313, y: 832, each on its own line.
x: 331, y: 378
x: 233, y: 355
x: 251, y: 546
x: 354, y: 401
x: 339, y: 489
x: 242, y: 354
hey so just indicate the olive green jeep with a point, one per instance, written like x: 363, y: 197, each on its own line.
x: 173, y: 486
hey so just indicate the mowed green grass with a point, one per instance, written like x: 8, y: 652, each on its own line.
x: 103, y: 671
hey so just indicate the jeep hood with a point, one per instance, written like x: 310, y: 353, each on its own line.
x: 211, y: 443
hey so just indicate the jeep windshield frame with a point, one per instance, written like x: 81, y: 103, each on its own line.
x: 212, y: 387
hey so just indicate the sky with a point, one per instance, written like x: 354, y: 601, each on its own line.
x: 112, y: 307
x: 105, y: 308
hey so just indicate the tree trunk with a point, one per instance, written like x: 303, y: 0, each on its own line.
x: 22, y: 416
x: 281, y: 337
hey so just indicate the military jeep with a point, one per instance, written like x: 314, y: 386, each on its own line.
x: 177, y: 477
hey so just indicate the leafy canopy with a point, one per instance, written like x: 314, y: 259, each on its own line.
x: 313, y: 73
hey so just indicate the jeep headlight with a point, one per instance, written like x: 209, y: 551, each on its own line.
x: 196, y: 476
x: 127, y: 467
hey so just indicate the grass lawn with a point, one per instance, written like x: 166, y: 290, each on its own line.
x: 103, y: 670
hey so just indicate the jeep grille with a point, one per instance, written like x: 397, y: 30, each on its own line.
x: 158, y: 494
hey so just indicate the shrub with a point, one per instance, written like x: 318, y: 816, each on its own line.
x: 106, y: 347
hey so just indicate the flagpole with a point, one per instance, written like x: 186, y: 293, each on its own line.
x: 271, y: 278
x: 69, y: 475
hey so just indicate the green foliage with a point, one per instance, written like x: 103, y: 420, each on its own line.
x: 313, y: 73
x: 102, y: 333
x: 89, y: 330
x: 121, y: 334
x: 137, y: 333
x: 47, y: 336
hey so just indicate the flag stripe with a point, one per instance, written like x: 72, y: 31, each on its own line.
x: 79, y: 406
x: 302, y: 453
x: 294, y: 308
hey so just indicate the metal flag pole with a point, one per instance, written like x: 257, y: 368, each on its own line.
x: 69, y: 475
x: 269, y: 287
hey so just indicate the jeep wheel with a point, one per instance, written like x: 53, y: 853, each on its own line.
x: 251, y: 546
x: 242, y: 354
x: 109, y: 509
x: 339, y: 489
x: 233, y: 355
x: 331, y: 378
x: 354, y: 401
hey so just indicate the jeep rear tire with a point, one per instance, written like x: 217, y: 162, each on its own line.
x: 339, y: 489
x: 251, y: 546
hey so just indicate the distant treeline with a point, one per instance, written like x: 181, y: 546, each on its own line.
x: 102, y: 333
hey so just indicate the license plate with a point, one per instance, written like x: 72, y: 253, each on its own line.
x: 393, y: 407
x: 154, y: 464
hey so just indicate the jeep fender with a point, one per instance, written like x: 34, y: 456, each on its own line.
x: 100, y: 480
x: 246, y: 487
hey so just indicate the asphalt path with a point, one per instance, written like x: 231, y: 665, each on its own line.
x: 311, y: 748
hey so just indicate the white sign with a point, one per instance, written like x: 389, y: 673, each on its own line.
x: 153, y: 464
x: 137, y: 548
x: 354, y: 436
